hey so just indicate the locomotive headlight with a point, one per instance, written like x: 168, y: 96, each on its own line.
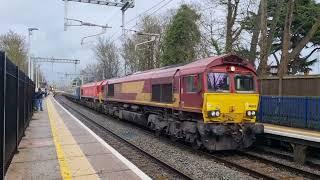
x: 214, y: 113
x: 251, y: 113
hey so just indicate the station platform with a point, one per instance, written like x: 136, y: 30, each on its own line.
x: 300, y: 139
x: 297, y: 133
x: 58, y: 146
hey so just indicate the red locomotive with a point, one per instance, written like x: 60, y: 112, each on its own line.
x: 209, y: 103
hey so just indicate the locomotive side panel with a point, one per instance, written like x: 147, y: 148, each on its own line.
x: 157, y: 92
x: 88, y: 91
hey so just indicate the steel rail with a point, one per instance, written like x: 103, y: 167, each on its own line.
x: 282, y: 166
x: 185, y: 176
x: 283, y: 155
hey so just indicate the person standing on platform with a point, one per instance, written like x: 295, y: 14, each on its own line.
x: 39, y: 97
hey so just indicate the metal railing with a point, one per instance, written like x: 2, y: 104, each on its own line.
x: 300, y: 112
x: 16, y: 109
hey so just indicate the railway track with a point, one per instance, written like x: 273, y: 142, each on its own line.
x: 256, y: 166
x: 261, y: 167
x: 262, y: 159
x: 176, y: 173
x: 312, y: 161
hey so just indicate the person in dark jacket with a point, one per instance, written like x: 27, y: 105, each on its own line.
x: 39, y: 97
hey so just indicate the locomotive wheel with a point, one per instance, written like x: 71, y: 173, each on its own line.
x: 196, y: 144
x: 173, y: 138
x: 151, y: 125
x: 157, y: 132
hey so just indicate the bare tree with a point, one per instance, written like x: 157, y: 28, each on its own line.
x: 106, y: 53
x: 92, y: 72
x: 255, y: 35
x: 263, y: 41
x: 146, y: 56
x: 15, y: 47
x: 283, y: 69
x: 210, y: 37
x: 231, y: 33
x: 227, y: 34
x: 130, y: 55
x: 273, y: 26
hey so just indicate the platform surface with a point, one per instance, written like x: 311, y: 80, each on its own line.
x: 58, y: 146
x: 297, y: 133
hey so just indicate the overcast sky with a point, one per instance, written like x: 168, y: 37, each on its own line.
x: 52, y: 41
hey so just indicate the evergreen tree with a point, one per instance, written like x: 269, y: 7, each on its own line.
x: 181, y: 37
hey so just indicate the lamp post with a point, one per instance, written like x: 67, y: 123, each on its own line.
x: 153, y: 36
x: 37, y: 76
x: 30, y: 71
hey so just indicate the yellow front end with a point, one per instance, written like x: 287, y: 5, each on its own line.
x: 232, y: 107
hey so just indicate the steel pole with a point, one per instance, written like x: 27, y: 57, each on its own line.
x: 4, y: 117
x: 65, y: 15
x: 31, y: 69
x: 81, y: 80
x: 36, y: 77
x: 124, y: 37
x: 17, y: 109
x: 29, y: 54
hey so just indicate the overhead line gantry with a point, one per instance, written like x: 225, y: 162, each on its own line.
x: 52, y: 60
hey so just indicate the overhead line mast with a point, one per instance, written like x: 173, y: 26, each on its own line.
x: 55, y: 60
x: 123, y: 4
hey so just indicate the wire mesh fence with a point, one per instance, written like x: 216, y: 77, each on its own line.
x: 16, y: 109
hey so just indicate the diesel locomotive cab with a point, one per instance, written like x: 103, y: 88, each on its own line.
x: 231, y: 95
x: 230, y: 103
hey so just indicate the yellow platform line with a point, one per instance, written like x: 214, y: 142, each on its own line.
x: 73, y: 163
x: 64, y: 168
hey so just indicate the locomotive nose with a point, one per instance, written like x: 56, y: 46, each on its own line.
x: 233, y: 108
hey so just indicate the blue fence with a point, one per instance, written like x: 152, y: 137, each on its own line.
x: 300, y: 112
